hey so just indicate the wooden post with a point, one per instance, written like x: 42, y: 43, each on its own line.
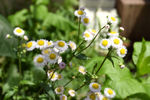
x: 135, y: 16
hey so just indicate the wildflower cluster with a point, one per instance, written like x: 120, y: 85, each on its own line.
x: 50, y: 57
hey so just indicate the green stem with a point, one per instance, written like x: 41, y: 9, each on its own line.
x: 103, y: 61
x: 80, y: 87
x: 68, y: 82
x: 20, y: 63
x: 79, y: 22
x: 91, y: 41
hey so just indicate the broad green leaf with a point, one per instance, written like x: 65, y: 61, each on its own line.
x: 18, y: 18
x: 7, y: 45
x: 9, y: 94
x: 59, y: 22
x: 26, y: 82
x: 141, y: 57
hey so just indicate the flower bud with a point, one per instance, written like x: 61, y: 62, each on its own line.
x: 122, y: 66
x: 107, y: 26
x: 121, y: 29
x: 25, y: 38
x: 8, y: 36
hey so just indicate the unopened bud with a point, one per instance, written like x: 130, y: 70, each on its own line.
x: 8, y: 36
x: 122, y: 66
x: 121, y: 29
x: 107, y: 26
x: 25, y: 38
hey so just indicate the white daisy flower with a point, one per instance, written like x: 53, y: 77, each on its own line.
x: 39, y: 60
x: 52, y: 75
x: 52, y: 57
x: 63, y: 97
x: 18, y: 31
x: 112, y: 19
x: 41, y: 44
x: 60, y: 77
x: 50, y: 44
x: 98, y: 95
x: 72, y: 92
x: 31, y: 45
x: 95, y: 87
x: 87, y: 35
x: 92, y: 96
x: 72, y: 45
x: 61, y: 45
x: 105, y: 43
x: 109, y: 93
x: 113, y: 33
x: 122, y: 51
x: 46, y: 51
x: 93, y: 31
x: 103, y: 98
x: 79, y: 13
x: 82, y: 70
x: 85, y: 20
x: 59, y: 90
x: 116, y: 42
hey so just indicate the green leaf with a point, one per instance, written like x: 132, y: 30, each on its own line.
x: 59, y: 22
x: 26, y: 82
x: 7, y: 45
x: 141, y: 57
x: 18, y: 18
x: 40, y: 11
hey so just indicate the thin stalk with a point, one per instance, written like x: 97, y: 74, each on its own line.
x: 79, y: 22
x: 20, y: 63
x: 68, y: 82
x: 52, y: 74
x: 80, y: 87
x: 103, y: 61
x: 19, y: 56
x: 91, y: 41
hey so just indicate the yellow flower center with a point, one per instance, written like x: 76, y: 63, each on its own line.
x: 29, y: 45
x: 40, y: 42
x: 95, y: 85
x: 40, y: 60
x: 104, y: 42
x: 113, y: 18
x: 59, y: 76
x: 46, y: 51
x: 104, y: 98
x: 58, y: 90
x: 52, y: 75
x: 80, y: 12
x: 94, y: 31
x: 19, y: 30
x: 81, y: 69
x: 110, y: 91
x: 92, y: 96
x: 116, y: 41
x: 122, y: 51
x: 86, y: 20
x: 63, y: 98
x: 71, y: 45
x: 49, y: 43
x: 113, y: 32
x: 87, y: 35
x: 52, y: 56
x: 61, y: 44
